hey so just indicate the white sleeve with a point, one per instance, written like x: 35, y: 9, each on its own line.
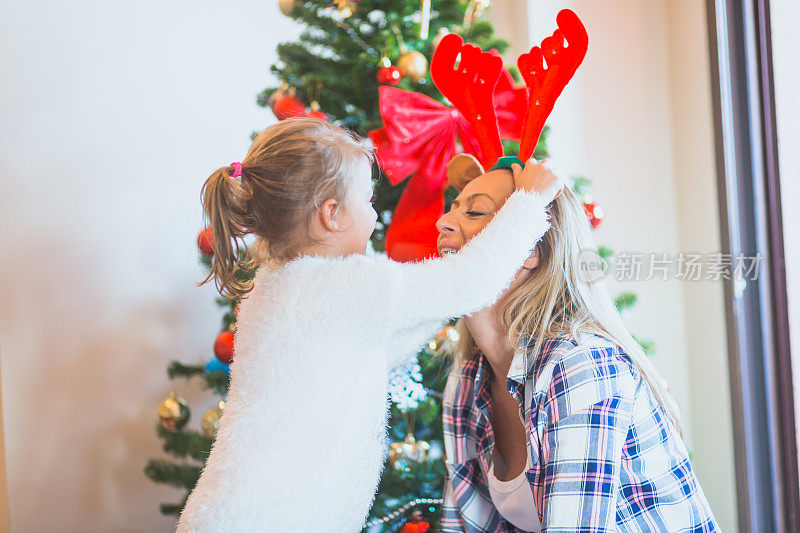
x: 383, y: 299
x: 473, y: 278
x: 405, y: 344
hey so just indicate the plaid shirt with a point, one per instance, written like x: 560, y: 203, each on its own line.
x: 604, y: 456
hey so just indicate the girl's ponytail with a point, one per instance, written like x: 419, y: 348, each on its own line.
x: 225, y: 205
x: 291, y: 167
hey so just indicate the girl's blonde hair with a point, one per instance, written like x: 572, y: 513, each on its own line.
x: 291, y: 169
x: 556, y: 299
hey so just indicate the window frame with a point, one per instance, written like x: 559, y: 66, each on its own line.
x: 757, y: 317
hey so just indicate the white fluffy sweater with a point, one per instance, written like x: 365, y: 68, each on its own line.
x: 302, y: 442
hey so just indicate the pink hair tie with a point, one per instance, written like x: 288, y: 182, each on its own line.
x: 237, y: 170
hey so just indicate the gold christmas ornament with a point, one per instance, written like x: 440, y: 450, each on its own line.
x: 413, y: 65
x: 210, y: 422
x: 286, y: 6
x: 401, y: 453
x: 173, y: 413
x: 346, y: 7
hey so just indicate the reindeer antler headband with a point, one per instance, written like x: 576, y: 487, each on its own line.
x: 471, y: 85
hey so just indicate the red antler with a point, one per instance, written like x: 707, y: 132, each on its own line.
x: 546, y: 84
x: 470, y: 88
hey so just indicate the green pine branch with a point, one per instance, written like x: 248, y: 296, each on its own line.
x: 648, y: 346
x: 219, y: 381
x: 181, y: 475
x: 173, y: 508
x: 625, y: 301
x: 177, y: 369
x: 605, y: 252
x: 185, y: 443
x: 581, y: 185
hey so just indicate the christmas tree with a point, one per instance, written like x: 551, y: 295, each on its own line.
x: 355, y: 61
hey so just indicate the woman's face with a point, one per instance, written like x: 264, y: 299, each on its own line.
x: 473, y: 208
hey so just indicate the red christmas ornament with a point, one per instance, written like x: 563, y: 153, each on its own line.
x: 315, y: 111
x: 388, y: 75
x: 594, y: 212
x: 416, y: 525
x: 223, y: 347
x: 205, y: 241
x: 288, y: 106
x: 317, y: 114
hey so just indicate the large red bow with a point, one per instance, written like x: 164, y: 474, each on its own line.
x: 419, y: 137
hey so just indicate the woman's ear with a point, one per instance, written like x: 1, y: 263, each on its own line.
x: 329, y: 215
x: 533, y: 260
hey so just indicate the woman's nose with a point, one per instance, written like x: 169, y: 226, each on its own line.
x: 445, y: 224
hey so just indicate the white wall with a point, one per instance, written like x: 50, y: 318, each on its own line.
x: 113, y: 114
x: 637, y: 120
x: 785, y: 15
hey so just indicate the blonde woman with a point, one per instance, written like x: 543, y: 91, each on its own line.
x: 554, y: 420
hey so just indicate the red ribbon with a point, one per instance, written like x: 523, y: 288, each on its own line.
x: 420, y: 137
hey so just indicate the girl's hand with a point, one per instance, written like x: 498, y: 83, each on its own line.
x: 537, y: 177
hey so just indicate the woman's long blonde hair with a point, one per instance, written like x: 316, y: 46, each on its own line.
x: 557, y: 299
x: 292, y: 168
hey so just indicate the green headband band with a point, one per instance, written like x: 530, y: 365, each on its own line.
x: 506, y: 162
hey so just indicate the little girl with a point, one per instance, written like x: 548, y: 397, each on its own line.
x: 303, y: 438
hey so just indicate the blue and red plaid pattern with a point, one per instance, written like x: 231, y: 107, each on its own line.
x: 605, y: 457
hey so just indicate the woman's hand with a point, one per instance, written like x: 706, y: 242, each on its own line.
x: 537, y: 177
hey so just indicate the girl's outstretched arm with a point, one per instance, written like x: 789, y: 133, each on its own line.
x: 474, y: 277
x: 426, y: 294
x: 385, y: 300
